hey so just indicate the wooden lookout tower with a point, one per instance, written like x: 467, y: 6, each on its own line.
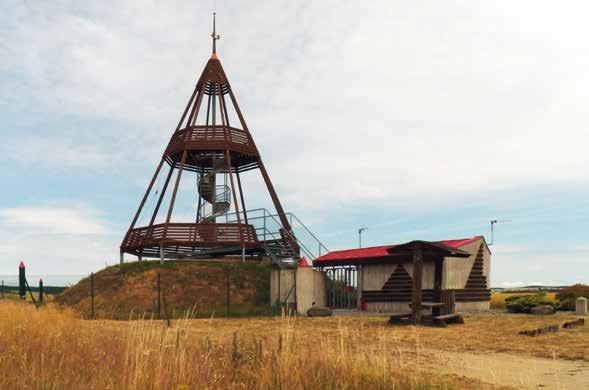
x: 213, y: 142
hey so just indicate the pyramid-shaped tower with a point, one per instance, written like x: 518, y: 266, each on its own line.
x: 207, y: 144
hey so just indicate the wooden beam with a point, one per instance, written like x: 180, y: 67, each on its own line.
x: 157, y: 171
x: 228, y: 154
x: 161, y: 198
x: 171, y: 208
x: 416, y: 296
x: 241, y: 196
x: 196, y: 108
x: 438, y: 275
x: 186, y: 109
x: 265, y: 176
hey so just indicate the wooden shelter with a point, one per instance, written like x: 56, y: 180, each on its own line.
x: 384, y: 277
x: 435, y: 252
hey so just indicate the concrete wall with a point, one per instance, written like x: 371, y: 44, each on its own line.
x: 388, y: 307
x: 281, y: 283
x: 402, y: 307
x: 373, y: 277
x: 427, y: 276
x: 310, y: 287
x: 456, y: 270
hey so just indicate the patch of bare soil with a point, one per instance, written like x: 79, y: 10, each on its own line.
x: 518, y: 371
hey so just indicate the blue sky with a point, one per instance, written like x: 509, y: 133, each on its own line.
x: 417, y: 120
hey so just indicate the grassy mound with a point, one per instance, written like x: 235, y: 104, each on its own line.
x: 201, y: 287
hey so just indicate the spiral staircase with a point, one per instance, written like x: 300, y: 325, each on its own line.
x: 218, y: 196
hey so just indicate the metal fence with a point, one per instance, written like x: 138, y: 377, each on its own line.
x: 341, y: 285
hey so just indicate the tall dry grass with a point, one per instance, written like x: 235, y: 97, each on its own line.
x: 52, y: 348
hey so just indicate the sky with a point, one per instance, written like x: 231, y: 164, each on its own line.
x: 413, y: 119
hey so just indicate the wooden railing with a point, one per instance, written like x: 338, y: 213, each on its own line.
x: 213, y: 137
x: 196, y: 234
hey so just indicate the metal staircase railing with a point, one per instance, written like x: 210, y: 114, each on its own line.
x: 278, y: 242
x: 301, y: 231
x: 218, y: 196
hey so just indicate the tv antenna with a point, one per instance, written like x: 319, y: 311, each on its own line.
x: 360, y: 236
x: 493, y: 222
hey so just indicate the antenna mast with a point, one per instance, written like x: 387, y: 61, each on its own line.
x: 214, y: 34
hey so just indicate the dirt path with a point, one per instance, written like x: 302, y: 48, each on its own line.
x: 519, y: 371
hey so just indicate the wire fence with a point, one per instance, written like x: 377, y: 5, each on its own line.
x: 163, y: 297
x: 160, y: 293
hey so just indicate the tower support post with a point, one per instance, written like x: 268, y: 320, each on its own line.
x: 235, y: 200
x: 265, y: 176
x: 157, y: 171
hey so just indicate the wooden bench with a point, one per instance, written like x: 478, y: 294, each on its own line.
x: 429, y: 305
x: 435, y: 307
x: 397, y: 318
x: 443, y: 321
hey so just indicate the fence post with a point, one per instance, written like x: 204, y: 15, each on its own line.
x: 41, y: 298
x: 227, y: 286
x: 22, y: 294
x: 92, y: 293
x: 2, y: 289
x: 159, y: 298
x: 279, y: 299
x: 166, y: 311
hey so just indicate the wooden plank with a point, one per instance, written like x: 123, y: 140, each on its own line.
x: 442, y: 321
x: 417, y: 275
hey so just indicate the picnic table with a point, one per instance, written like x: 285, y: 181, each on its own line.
x: 434, y: 306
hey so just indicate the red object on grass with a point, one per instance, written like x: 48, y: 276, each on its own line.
x: 362, y: 304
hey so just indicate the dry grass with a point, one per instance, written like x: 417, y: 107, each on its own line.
x: 480, y: 333
x: 498, y: 299
x: 54, y: 349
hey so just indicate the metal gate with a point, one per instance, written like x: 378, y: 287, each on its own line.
x: 341, y: 285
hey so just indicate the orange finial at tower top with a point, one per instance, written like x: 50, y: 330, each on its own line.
x: 215, y: 37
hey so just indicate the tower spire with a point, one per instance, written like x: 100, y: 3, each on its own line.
x: 214, y: 36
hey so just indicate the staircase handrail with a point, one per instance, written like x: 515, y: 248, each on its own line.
x: 267, y: 214
x: 302, y: 246
x: 308, y: 231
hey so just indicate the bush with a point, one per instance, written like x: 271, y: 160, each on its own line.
x: 525, y: 303
x: 569, y: 295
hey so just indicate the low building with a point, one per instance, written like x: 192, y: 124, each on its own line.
x: 383, y: 280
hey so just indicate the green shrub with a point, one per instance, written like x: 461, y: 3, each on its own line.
x: 525, y: 303
x: 569, y: 295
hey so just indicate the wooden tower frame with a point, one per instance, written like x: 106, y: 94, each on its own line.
x: 198, y: 148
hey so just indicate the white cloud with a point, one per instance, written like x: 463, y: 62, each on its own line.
x: 355, y: 105
x: 54, y: 220
x: 76, y: 237
x: 350, y: 102
x: 63, y: 153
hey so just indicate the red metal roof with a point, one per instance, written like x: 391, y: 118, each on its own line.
x: 376, y: 252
